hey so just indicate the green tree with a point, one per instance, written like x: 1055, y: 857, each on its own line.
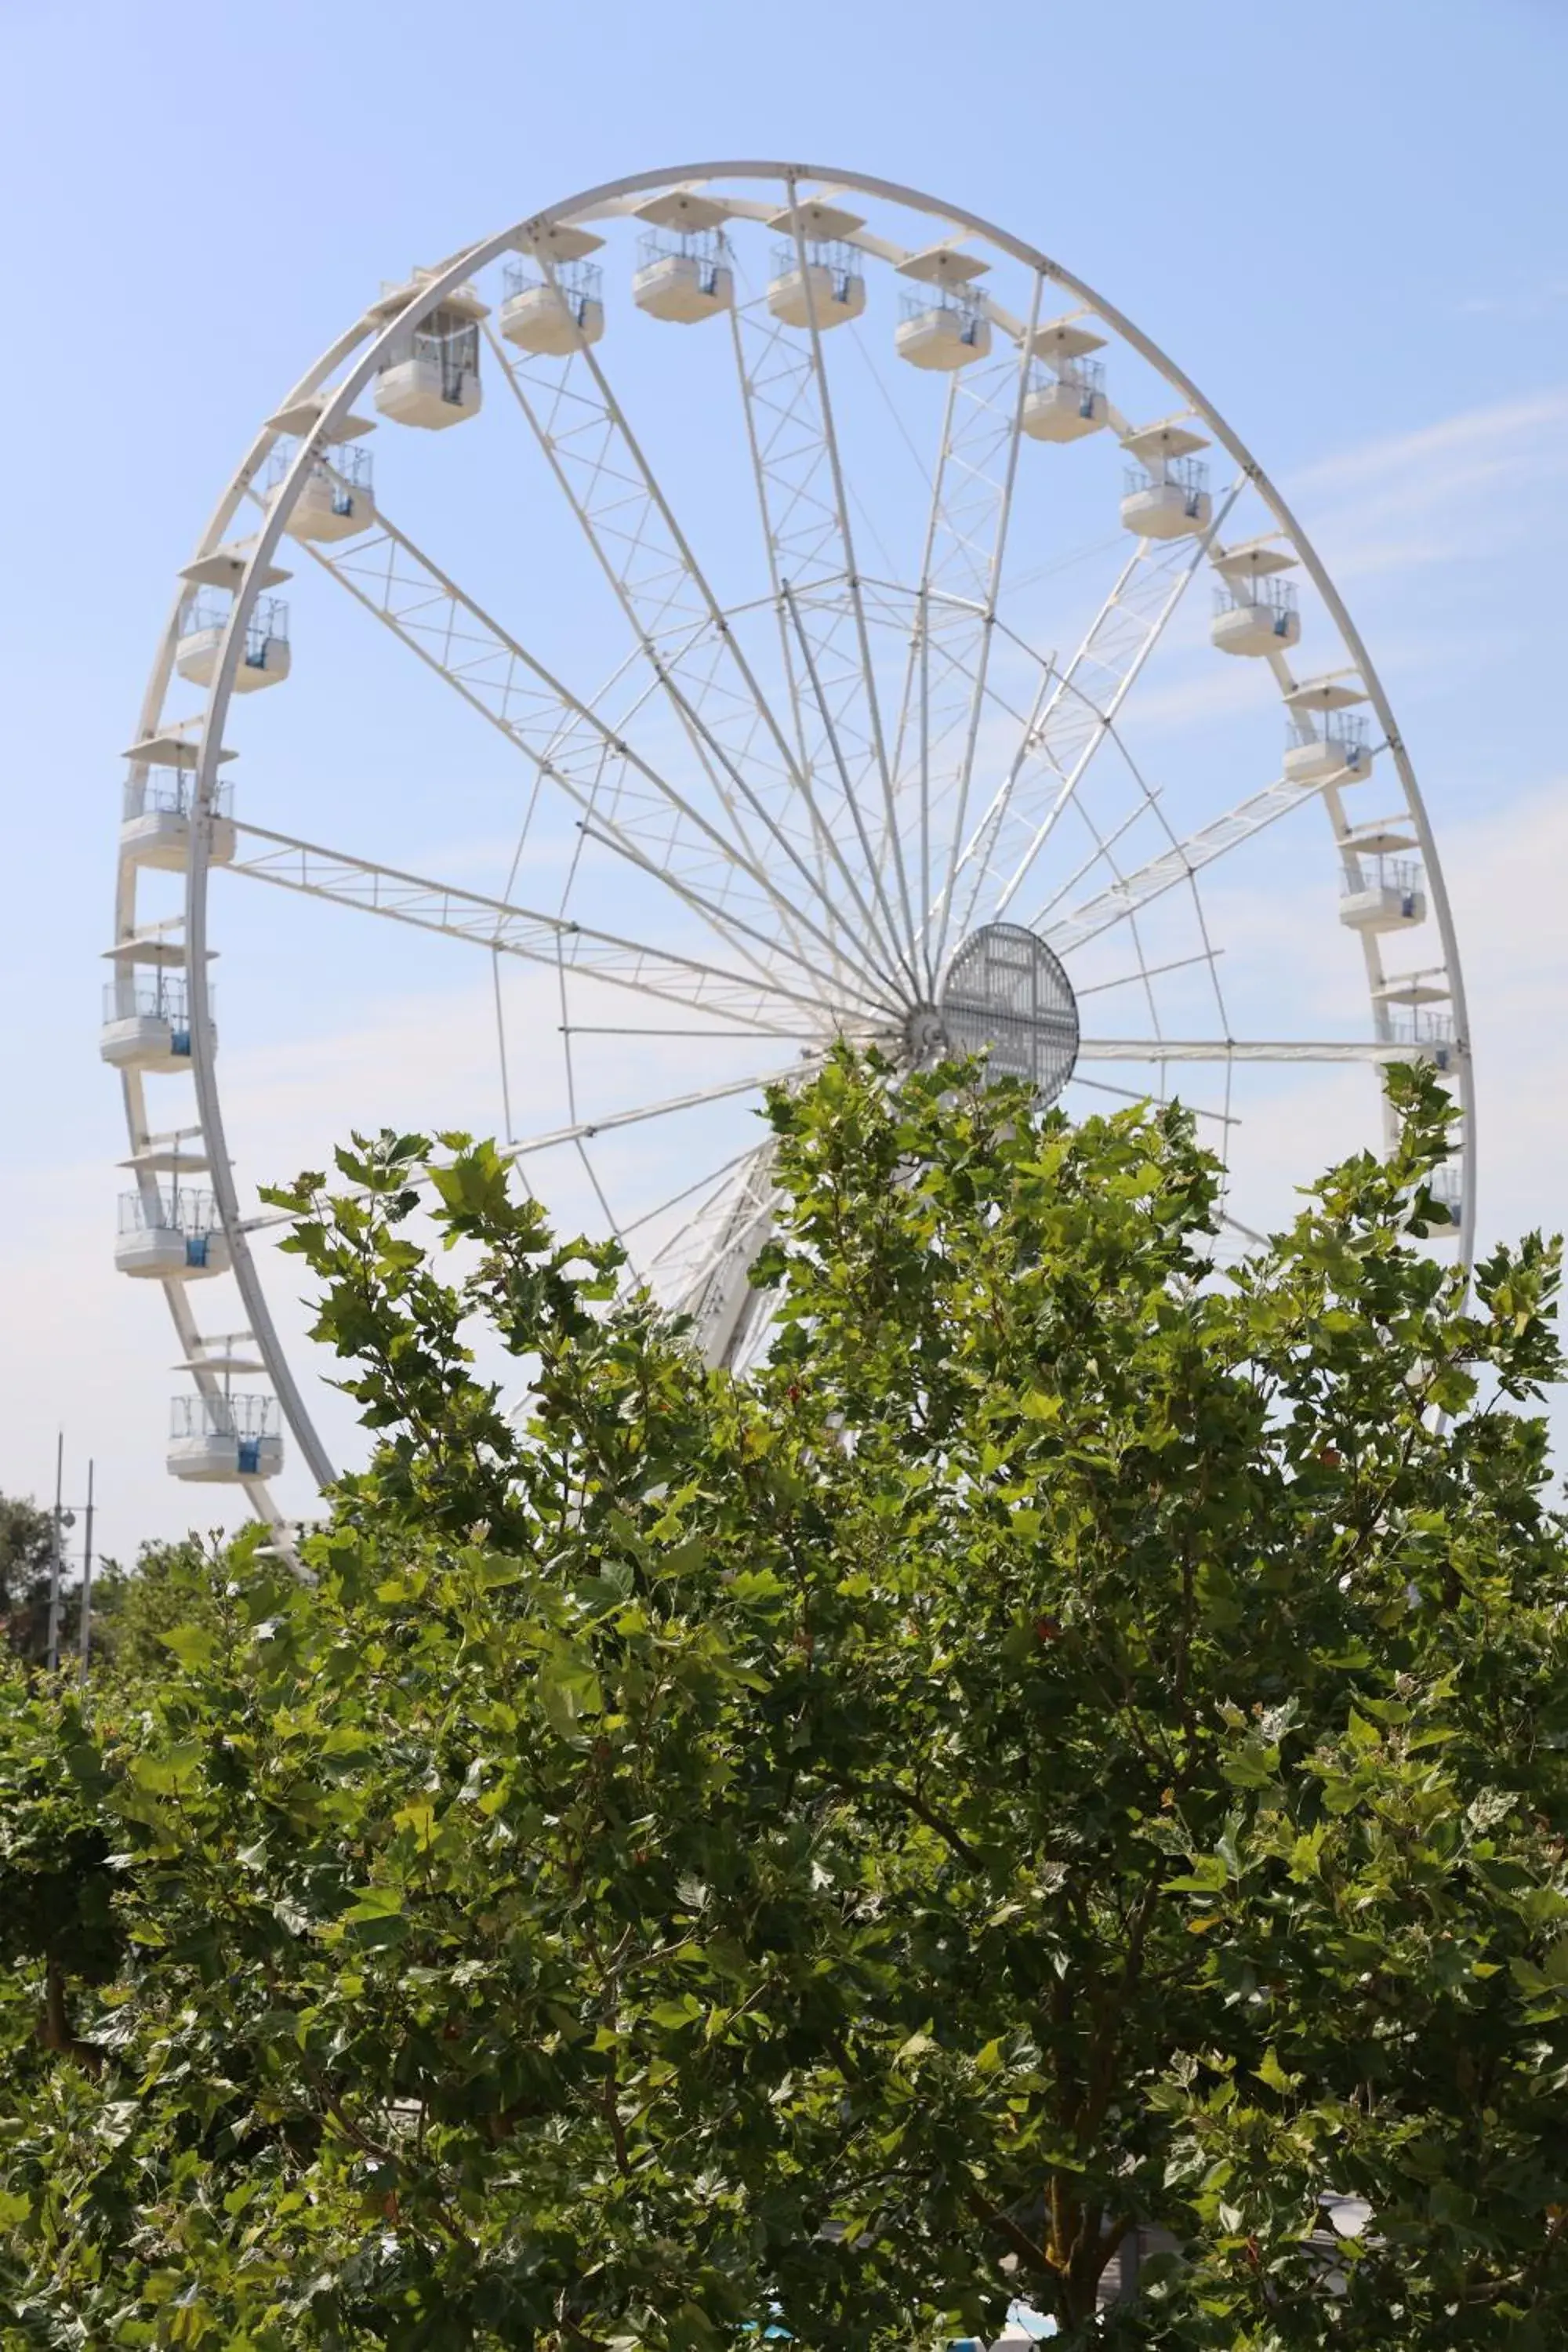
x: 27, y: 1548
x: 1077, y: 1742
x: 169, y: 1585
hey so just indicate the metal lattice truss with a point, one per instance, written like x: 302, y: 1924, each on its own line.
x: 440, y: 907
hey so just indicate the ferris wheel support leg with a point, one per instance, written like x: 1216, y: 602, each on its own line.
x: 722, y: 1302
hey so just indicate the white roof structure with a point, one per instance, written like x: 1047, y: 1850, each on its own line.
x: 825, y: 224
x: 1065, y: 339
x: 1172, y: 437
x: 944, y: 265
x: 683, y: 208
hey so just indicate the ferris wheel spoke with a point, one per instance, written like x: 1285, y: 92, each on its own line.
x: 804, y: 504
x: 631, y: 528
x: 584, y: 1130
x: 938, y: 916
x: 669, y: 634
x: 1140, y: 976
x: 1173, y: 866
x: 400, y: 897
x: 955, y: 618
x: 1379, y: 1051
x: 848, y: 792
x: 866, y: 992
x: 1077, y: 709
x: 567, y: 741
x: 710, y: 1180
x: 1141, y: 1095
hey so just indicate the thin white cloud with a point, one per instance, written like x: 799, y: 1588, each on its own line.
x: 1466, y: 487
x: 1464, y: 447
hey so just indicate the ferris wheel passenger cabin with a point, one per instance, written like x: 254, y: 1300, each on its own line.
x: 1166, y: 492
x: 1446, y: 1186
x: 1254, y: 610
x: 430, y: 374
x: 555, y: 316
x: 336, y: 498
x: 219, y: 1440
x: 684, y: 272
x: 264, y: 657
x: 1070, y: 402
x: 1326, y: 738
x: 159, y: 797
x: 170, y: 1234
x: 1383, y: 888
x: 948, y: 328
x: 818, y: 278
x: 146, y: 1006
x: 1408, y: 994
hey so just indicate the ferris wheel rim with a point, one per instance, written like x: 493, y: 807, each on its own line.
x: 370, y: 341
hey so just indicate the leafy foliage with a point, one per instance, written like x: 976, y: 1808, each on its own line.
x: 1074, y: 1744
x: 169, y: 1585
x: 27, y: 1548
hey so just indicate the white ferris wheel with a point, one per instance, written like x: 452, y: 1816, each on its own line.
x: 829, y: 653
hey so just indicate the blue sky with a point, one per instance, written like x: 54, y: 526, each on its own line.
x: 1346, y: 223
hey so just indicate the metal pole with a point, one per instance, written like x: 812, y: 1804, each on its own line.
x: 84, y: 1630
x: 55, y: 1563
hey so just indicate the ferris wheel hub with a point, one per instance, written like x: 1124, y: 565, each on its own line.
x: 1006, y: 995
x: 925, y: 1038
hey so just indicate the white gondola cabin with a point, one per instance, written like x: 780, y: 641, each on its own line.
x: 1256, y: 617
x: 146, y: 1007
x: 1328, y: 740
x: 336, y: 499
x: 1071, y: 403
x: 159, y: 796
x: 1068, y: 406
x: 1174, y: 504
x: 1336, y: 753
x: 553, y: 317
x: 1381, y: 893
x: 826, y: 290
x: 170, y: 1234
x: 222, y: 1440
x: 684, y: 272
x: 1446, y: 1186
x: 1165, y: 494
x: 1255, y: 609
x: 434, y: 382
x: 1430, y: 1033
x: 818, y: 278
x: 945, y: 334
x: 948, y: 328
x: 264, y: 657
x: 430, y: 374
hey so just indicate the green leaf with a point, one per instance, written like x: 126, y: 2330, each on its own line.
x: 194, y: 1645
x: 170, y: 1773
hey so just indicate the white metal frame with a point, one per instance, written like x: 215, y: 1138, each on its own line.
x: 864, y: 930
